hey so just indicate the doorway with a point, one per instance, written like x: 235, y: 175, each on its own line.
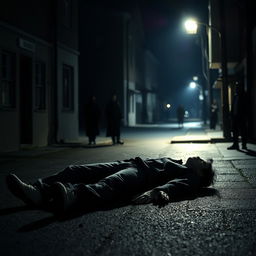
x: 26, y: 131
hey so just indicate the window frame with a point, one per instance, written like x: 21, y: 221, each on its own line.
x: 67, y: 89
x: 40, y: 85
x: 9, y: 79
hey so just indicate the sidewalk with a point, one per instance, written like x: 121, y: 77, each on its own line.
x: 201, y: 135
x: 206, y: 135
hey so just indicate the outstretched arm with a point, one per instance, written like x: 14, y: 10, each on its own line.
x: 179, y: 187
x: 162, y: 195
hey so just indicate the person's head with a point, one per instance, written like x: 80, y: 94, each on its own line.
x: 114, y: 97
x: 92, y: 98
x: 203, y: 168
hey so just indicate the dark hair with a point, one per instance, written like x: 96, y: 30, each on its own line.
x: 209, y: 175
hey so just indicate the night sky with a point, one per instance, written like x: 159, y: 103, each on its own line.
x: 179, y: 54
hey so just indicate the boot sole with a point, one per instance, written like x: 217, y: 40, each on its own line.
x: 13, y: 184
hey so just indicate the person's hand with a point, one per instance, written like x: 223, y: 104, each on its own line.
x: 144, y: 198
x: 159, y: 198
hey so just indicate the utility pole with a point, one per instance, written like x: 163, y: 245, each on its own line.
x: 224, y: 70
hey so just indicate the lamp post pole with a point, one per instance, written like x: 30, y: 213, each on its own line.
x: 224, y: 71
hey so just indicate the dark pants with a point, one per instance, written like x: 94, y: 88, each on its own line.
x: 92, y: 138
x: 99, y: 184
x: 239, y: 128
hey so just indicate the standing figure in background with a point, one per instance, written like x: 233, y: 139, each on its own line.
x: 214, y: 115
x: 239, y: 117
x: 92, y: 117
x: 114, y: 117
x: 180, y: 115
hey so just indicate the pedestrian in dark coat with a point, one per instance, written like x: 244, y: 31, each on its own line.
x: 214, y: 115
x: 239, y: 115
x: 114, y: 117
x: 135, y: 180
x: 180, y: 115
x: 92, y: 117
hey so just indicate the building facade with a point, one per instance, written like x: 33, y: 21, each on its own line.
x: 113, y: 59
x: 150, y: 93
x: 232, y: 43
x: 38, y: 74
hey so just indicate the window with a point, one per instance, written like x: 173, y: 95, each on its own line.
x: 68, y: 87
x: 40, y: 90
x: 7, y: 80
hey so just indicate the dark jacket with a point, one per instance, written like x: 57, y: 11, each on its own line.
x: 114, y: 117
x: 143, y: 175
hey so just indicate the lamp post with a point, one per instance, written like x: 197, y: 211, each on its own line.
x: 191, y: 26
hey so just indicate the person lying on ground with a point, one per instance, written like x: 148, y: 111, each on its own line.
x: 135, y: 181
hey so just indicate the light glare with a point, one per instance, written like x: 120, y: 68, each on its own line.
x: 192, y: 85
x: 191, y: 26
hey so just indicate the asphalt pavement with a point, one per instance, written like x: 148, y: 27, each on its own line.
x: 222, y: 224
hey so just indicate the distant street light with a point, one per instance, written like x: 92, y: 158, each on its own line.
x: 192, y: 85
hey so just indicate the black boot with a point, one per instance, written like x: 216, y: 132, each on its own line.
x: 234, y: 146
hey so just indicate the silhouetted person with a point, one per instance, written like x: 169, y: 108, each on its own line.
x: 114, y: 117
x: 92, y: 117
x: 180, y: 115
x: 136, y: 181
x: 214, y: 114
x: 239, y: 117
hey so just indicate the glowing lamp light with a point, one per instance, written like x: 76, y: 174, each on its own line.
x: 192, y: 85
x: 201, y: 97
x: 191, y: 26
x: 168, y: 105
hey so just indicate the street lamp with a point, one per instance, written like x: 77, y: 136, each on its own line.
x: 191, y: 26
x: 192, y: 85
x: 195, y: 78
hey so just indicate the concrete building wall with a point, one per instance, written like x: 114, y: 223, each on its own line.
x: 112, y: 58
x: 31, y: 31
x: 233, y: 29
x: 67, y: 22
x: 21, y: 13
x: 150, y: 104
x: 67, y: 118
x: 239, y: 30
x: 11, y: 117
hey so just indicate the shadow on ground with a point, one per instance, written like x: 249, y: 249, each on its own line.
x: 204, y: 192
